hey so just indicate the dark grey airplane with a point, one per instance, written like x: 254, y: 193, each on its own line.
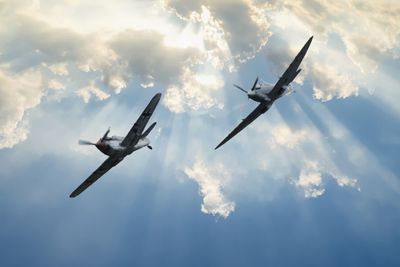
x: 117, y: 148
x: 266, y: 93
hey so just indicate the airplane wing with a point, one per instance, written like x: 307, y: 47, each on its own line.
x: 260, y: 109
x: 100, y: 171
x: 137, y: 129
x: 291, y: 72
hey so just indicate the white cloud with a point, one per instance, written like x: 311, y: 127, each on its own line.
x: 311, y: 179
x: 211, y: 181
x: 346, y: 181
x: 368, y: 28
x: 195, y: 91
x: 90, y: 90
x: 283, y: 135
x: 311, y: 182
x: 56, y: 85
x: 239, y: 25
x: 351, y: 39
x: 305, y: 153
x: 329, y: 83
x: 59, y: 69
x: 19, y: 93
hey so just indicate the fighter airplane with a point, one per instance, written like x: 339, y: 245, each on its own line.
x: 266, y: 94
x: 117, y: 148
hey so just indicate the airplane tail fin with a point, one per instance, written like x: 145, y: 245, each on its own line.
x: 149, y: 129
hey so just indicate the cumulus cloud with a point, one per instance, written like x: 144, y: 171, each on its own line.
x: 161, y: 62
x: 242, y: 24
x: 329, y: 83
x: 368, y: 28
x: 56, y: 85
x: 211, y: 181
x: 351, y: 39
x: 59, y: 69
x: 311, y: 182
x: 283, y: 135
x: 196, y: 91
x: 311, y: 179
x: 92, y: 90
x: 33, y: 40
x: 305, y: 153
x: 333, y: 75
x: 19, y: 93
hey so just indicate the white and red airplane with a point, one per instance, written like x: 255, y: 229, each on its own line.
x: 117, y: 148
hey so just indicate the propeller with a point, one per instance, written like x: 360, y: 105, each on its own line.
x: 105, y: 135
x: 255, y: 84
x: 84, y: 142
x: 240, y: 88
x: 149, y: 147
x: 252, y: 89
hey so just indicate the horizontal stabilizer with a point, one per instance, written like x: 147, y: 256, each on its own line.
x: 149, y: 129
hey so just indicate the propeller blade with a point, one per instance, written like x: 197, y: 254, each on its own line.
x: 149, y: 129
x: 105, y: 135
x: 150, y: 147
x: 255, y: 84
x: 84, y: 142
x: 240, y: 88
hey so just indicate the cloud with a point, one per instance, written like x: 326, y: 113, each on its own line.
x: 283, y: 135
x: 56, y: 85
x: 92, y: 90
x: 306, y: 153
x: 19, y: 93
x: 311, y: 179
x: 163, y: 63
x: 368, y: 29
x: 311, y: 182
x: 329, y: 83
x: 241, y: 23
x: 34, y: 41
x: 196, y: 91
x: 211, y: 181
x: 59, y: 69
x: 351, y: 39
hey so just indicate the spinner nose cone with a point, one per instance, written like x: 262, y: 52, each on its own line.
x: 251, y: 94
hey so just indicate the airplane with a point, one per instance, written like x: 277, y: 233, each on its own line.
x: 117, y: 148
x: 266, y: 94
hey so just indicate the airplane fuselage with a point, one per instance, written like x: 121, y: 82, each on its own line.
x: 261, y: 92
x: 112, y: 145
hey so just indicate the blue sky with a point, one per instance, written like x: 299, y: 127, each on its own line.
x: 313, y: 182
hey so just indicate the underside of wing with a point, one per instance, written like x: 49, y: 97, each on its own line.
x: 137, y: 129
x: 260, y: 109
x: 100, y: 171
x: 291, y: 72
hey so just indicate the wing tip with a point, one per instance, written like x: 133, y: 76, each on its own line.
x: 219, y: 145
x: 74, y: 194
x: 158, y: 95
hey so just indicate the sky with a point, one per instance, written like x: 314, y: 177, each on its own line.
x: 313, y: 182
